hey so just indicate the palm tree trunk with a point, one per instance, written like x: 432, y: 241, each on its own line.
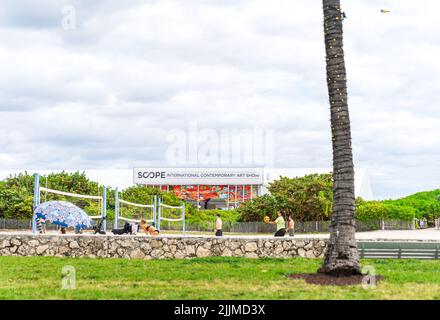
x: 341, y: 257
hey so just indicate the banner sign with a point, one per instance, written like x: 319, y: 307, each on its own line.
x: 198, y: 176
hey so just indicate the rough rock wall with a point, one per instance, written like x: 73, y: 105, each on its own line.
x: 142, y: 247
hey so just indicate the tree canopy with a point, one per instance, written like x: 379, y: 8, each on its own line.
x: 306, y: 198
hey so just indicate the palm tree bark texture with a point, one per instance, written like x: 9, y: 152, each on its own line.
x: 341, y: 258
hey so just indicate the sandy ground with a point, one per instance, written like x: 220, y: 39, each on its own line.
x: 424, y: 234
x: 405, y: 235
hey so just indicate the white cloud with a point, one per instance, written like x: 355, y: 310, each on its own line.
x: 105, y: 94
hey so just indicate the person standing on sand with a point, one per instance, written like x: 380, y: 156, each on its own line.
x: 218, y: 226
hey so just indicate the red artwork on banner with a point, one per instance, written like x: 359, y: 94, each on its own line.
x: 186, y: 192
x: 213, y: 192
x: 231, y: 194
x: 247, y: 193
x: 254, y: 192
x: 243, y: 193
x: 204, y: 192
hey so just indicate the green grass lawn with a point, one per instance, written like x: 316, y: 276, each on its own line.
x: 210, y: 278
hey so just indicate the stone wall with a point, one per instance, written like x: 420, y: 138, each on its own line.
x: 142, y: 247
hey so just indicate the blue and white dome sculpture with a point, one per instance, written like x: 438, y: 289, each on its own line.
x: 64, y: 214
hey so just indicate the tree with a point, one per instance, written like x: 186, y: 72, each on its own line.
x: 17, y: 193
x: 16, y: 197
x: 341, y: 257
x: 306, y: 198
x: 257, y: 208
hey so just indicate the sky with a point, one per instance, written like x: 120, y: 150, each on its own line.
x: 115, y: 84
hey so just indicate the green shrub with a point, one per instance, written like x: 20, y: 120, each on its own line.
x: 307, y: 198
x: 370, y: 210
x: 378, y: 210
x: 426, y: 204
x: 200, y: 216
x: 256, y: 209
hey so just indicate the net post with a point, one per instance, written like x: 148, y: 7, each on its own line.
x: 36, y: 201
x: 154, y: 210
x: 183, y: 217
x: 159, y: 209
x: 104, y: 208
x: 115, y: 225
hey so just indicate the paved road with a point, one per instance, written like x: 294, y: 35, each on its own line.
x: 425, y: 234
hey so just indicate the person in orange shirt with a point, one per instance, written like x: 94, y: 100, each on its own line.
x: 149, y: 230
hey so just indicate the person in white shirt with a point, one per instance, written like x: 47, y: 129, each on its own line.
x: 218, y: 226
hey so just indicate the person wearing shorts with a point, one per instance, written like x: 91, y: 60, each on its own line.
x: 218, y: 226
x: 41, y: 225
x: 291, y: 226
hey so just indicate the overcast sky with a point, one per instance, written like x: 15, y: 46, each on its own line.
x: 105, y: 93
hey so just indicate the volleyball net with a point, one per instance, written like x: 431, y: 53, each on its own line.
x: 170, y: 217
x: 128, y: 211
x: 93, y: 205
x: 154, y: 211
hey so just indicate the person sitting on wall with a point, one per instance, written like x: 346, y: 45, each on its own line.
x: 149, y: 230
